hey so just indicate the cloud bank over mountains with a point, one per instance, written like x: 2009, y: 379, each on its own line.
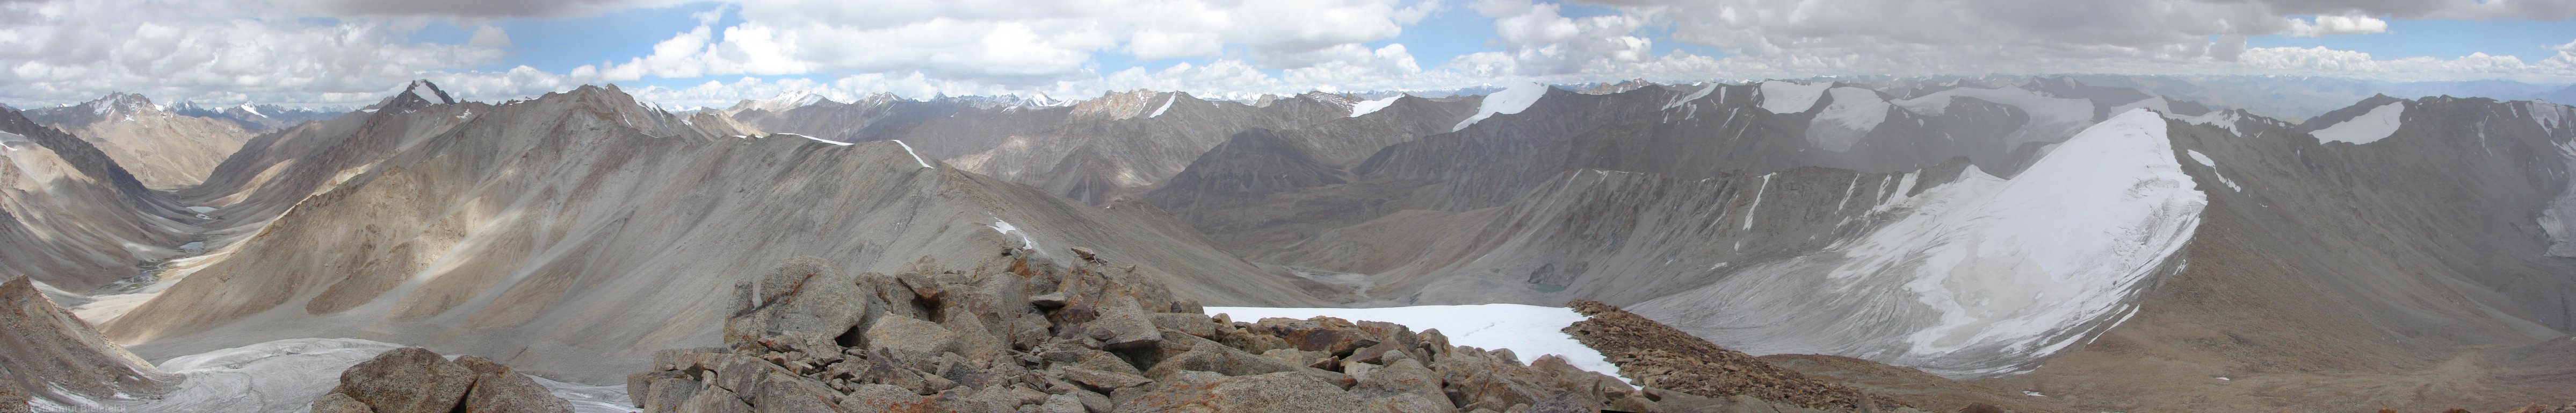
x: 339, y: 52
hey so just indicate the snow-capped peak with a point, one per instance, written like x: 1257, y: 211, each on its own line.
x: 428, y: 92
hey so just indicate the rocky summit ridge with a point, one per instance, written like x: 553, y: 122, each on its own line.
x: 1019, y: 332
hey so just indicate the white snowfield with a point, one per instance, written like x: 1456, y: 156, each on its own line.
x: 1528, y: 330
x: 1373, y: 105
x: 1854, y: 108
x: 2369, y: 127
x: 1977, y: 277
x: 1785, y: 97
x: 285, y: 376
x: 1853, y: 113
x: 1510, y: 100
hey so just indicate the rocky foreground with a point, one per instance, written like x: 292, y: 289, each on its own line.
x: 1022, y: 333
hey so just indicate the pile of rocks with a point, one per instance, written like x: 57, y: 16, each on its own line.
x: 11, y: 402
x: 416, y: 380
x: 1020, y: 333
x: 1660, y: 357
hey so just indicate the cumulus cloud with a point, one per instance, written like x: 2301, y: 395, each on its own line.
x: 1014, y: 42
x: 480, y: 8
x: 67, y: 51
x: 343, y: 52
x: 2336, y: 25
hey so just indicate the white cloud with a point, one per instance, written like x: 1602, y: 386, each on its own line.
x: 68, y: 51
x: 1015, y: 42
x: 2336, y: 25
x: 343, y: 52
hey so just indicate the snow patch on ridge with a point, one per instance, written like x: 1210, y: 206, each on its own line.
x: 1167, y: 105
x: 1510, y: 100
x: 2213, y: 169
x: 2370, y: 127
x: 1528, y: 330
x: 916, y: 156
x: 833, y: 142
x: 1978, y: 277
x: 1686, y: 99
x: 2223, y: 119
x: 1373, y: 105
x: 1786, y: 98
x: 1005, y: 228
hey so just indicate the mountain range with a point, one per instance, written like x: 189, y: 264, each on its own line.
x: 2098, y: 243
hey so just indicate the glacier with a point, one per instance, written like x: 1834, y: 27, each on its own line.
x: 1510, y: 100
x: 2378, y: 124
x: 1977, y: 277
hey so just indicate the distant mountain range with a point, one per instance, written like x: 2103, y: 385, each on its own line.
x: 2101, y: 243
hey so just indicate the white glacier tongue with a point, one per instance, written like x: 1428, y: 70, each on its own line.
x: 1977, y: 277
x: 1785, y: 97
x: 1528, y: 330
x: 1511, y: 100
x: 2369, y: 127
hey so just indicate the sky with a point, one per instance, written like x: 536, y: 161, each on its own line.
x: 698, y: 53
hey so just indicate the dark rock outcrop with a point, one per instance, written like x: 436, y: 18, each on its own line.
x: 1019, y: 332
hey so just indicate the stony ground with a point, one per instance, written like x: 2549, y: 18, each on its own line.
x: 1657, y: 355
x: 1020, y: 333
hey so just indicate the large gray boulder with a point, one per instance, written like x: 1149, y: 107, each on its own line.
x: 406, y: 380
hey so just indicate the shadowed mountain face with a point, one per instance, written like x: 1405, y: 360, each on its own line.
x: 71, y: 217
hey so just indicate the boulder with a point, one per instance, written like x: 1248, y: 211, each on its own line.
x: 784, y: 393
x: 1192, y: 323
x: 907, y: 337
x: 713, y: 400
x: 1274, y: 392
x: 886, y: 398
x: 498, y: 389
x: 1208, y: 356
x: 329, y: 403
x: 407, y: 380
x: 1123, y: 325
x: 1103, y: 381
x: 1402, y: 377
